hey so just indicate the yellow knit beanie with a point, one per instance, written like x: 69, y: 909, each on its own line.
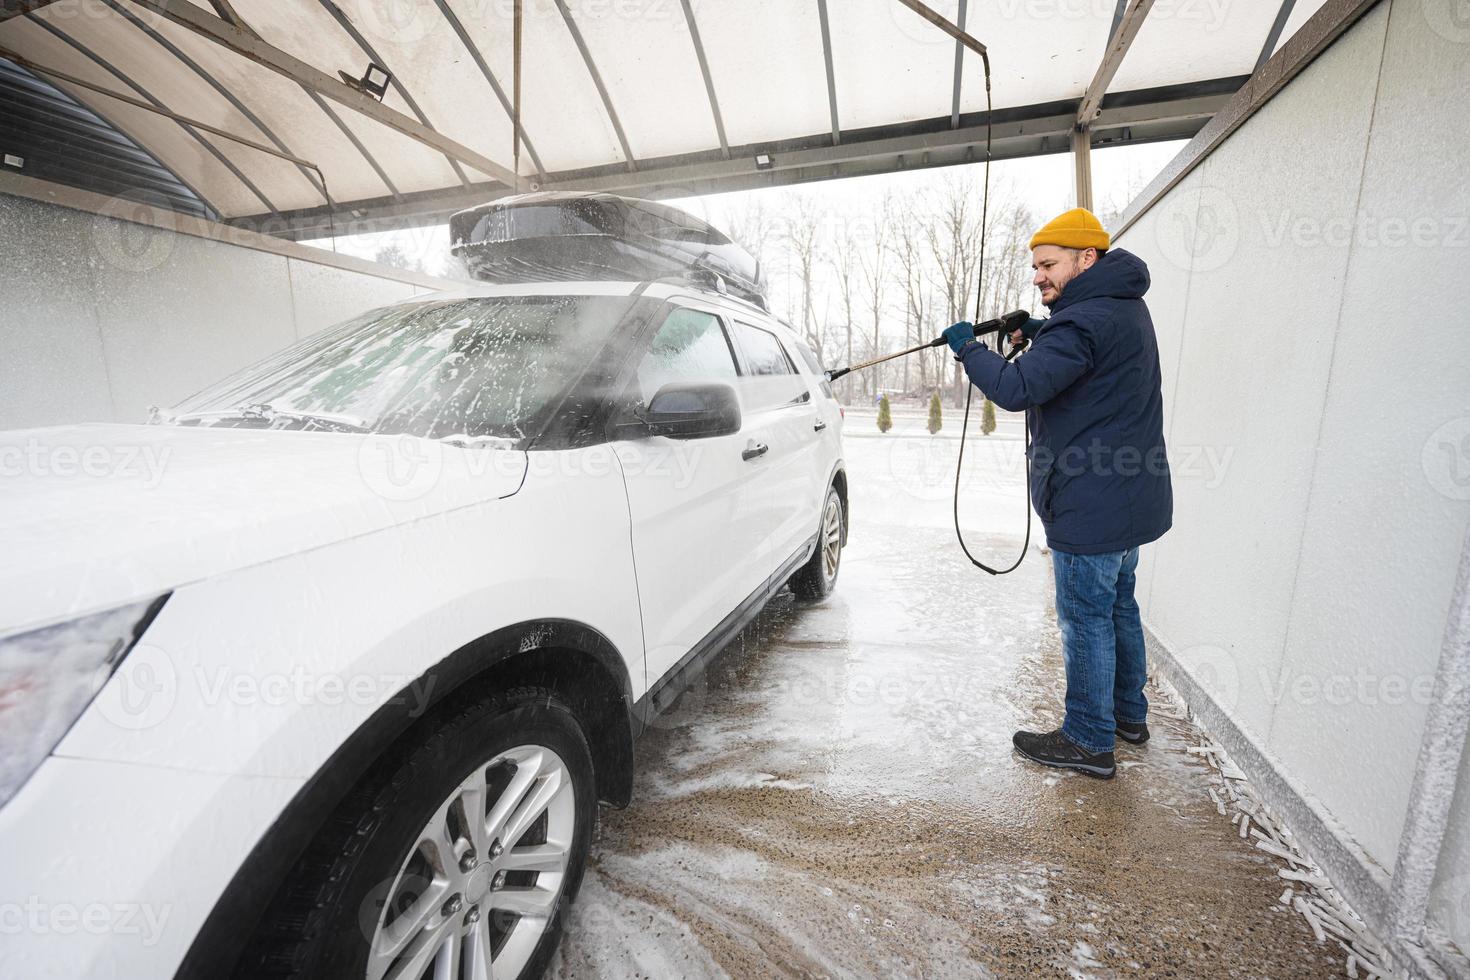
x: 1077, y: 228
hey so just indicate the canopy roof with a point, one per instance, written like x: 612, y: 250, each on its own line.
x: 646, y: 97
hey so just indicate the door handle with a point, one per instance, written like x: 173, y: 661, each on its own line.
x: 753, y: 450
x: 819, y: 425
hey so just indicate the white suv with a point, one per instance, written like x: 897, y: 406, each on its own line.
x: 340, y: 701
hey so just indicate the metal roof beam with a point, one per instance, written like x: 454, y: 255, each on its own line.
x: 709, y: 84
x: 831, y: 77
x: 15, y: 8
x: 246, y: 45
x: 612, y: 114
x: 311, y: 177
x: 938, y: 20
x: 959, y: 69
x: 1118, y: 46
x: 484, y: 66
x: 152, y: 104
x: 1176, y: 112
x: 352, y: 138
x: 346, y: 24
x: 1274, y: 35
x: 141, y: 146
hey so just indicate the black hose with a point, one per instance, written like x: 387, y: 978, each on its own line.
x: 970, y: 389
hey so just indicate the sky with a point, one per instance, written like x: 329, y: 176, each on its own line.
x: 1044, y: 184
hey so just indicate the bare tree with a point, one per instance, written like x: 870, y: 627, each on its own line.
x: 874, y: 261
x: 953, y: 238
x: 908, y: 250
x: 803, y: 240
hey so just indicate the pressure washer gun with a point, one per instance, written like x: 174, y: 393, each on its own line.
x: 1003, y: 325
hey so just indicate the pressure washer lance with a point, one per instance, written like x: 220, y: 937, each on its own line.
x: 1004, y: 325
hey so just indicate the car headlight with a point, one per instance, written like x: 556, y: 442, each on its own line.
x: 49, y: 676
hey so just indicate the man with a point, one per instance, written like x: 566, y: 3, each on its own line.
x: 1099, y: 476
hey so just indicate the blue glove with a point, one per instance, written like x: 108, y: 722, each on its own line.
x: 959, y: 335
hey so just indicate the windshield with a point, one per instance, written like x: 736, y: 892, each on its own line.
x: 477, y: 367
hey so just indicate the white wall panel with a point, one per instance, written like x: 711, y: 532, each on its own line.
x: 48, y: 320
x: 1253, y: 379
x: 1383, y: 531
x: 322, y: 296
x: 203, y: 311
x: 101, y: 317
x: 1323, y: 249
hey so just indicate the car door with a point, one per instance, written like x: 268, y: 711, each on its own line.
x: 783, y: 416
x: 698, y: 506
x: 826, y: 444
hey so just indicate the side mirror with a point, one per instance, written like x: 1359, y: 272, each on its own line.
x: 693, y: 411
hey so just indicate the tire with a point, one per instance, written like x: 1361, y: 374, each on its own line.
x: 398, y: 864
x: 818, y: 577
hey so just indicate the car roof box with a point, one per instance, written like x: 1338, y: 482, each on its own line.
x: 559, y: 237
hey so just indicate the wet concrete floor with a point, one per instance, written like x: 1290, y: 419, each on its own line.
x: 841, y: 798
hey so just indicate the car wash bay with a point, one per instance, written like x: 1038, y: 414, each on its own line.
x: 841, y: 798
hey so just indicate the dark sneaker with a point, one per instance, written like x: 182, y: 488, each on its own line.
x: 1133, y: 731
x: 1057, y: 750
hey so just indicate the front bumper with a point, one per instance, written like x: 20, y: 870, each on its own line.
x: 107, y: 869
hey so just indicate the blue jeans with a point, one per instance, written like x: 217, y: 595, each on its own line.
x: 1102, y: 644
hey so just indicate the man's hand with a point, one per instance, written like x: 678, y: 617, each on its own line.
x: 959, y: 335
x: 1016, y: 338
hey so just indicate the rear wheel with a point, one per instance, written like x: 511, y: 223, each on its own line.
x: 818, y: 577
x: 455, y: 858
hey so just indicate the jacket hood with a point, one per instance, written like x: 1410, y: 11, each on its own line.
x: 1119, y: 274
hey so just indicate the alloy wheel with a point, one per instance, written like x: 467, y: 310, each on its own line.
x: 480, y: 885
x: 831, y: 538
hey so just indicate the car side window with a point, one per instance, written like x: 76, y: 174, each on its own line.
x: 690, y: 347
x: 773, y: 380
x: 815, y: 363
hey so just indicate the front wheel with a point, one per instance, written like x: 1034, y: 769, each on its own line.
x: 455, y: 858
x: 818, y: 577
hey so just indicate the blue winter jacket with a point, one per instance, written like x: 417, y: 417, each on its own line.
x: 1090, y: 387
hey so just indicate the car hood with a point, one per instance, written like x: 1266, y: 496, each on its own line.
x: 94, y: 516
